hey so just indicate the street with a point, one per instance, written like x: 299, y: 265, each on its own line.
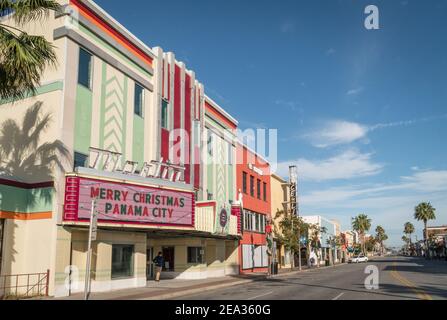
x: 400, y: 278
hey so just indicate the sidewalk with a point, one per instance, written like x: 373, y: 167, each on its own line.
x: 172, y: 288
x: 167, y: 289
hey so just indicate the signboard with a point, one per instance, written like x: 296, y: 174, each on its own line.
x: 222, y: 221
x: 121, y: 203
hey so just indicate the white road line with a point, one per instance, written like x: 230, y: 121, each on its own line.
x: 261, y: 295
x: 339, y: 296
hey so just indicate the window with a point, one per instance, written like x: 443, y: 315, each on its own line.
x: 80, y: 160
x: 85, y: 68
x: 210, y: 142
x: 195, y: 254
x: 265, y: 191
x: 252, y: 186
x: 244, y: 182
x: 138, y: 100
x: 164, y: 114
x: 258, y: 188
x: 122, y: 261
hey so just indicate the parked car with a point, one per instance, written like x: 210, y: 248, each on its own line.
x: 357, y: 259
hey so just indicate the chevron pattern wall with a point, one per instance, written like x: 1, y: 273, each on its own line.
x: 115, y: 106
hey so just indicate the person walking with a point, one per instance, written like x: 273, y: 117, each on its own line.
x: 159, y: 262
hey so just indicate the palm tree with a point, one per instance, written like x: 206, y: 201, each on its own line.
x: 408, y: 230
x: 381, y: 236
x: 314, y: 240
x: 22, y: 156
x: 406, y: 240
x: 361, y: 224
x: 23, y: 57
x: 425, y: 212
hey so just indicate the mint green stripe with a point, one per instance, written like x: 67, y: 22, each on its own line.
x: 105, y: 45
x: 103, y: 104
x: 83, y: 119
x: 50, y: 87
x: 124, y: 108
x: 138, y: 139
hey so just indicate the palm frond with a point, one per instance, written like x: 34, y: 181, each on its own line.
x: 33, y: 10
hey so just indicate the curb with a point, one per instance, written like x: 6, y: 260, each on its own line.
x: 196, y: 290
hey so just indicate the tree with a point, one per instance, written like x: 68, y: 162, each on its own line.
x: 381, y: 236
x: 406, y: 240
x: 361, y: 224
x: 425, y: 212
x: 314, y: 239
x: 287, y: 234
x: 24, y: 57
x: 409, y: 229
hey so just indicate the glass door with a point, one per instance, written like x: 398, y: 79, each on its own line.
x: 149, y: 263
x: 168, y: 256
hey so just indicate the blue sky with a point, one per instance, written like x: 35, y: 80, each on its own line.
x: 361, y: 112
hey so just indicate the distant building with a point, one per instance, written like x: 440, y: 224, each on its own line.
x: 279, y: 197
x: 324, y: 237
x: 437, y: 240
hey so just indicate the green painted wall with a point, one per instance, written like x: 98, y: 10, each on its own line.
x: 15, y: 199
x: 138, y: 139
x: 83, y: 119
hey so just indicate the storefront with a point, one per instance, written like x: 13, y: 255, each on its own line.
x: 253, y: 181
x: 137, y: 218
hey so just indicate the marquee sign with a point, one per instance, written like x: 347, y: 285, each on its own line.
x: 127, y: 203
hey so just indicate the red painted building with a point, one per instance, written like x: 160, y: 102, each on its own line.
x: 253, y: 182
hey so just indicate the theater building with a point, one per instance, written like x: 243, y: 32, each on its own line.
x: 253, y: 182
x: 133, y: 137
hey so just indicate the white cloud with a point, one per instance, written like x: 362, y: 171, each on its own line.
x: 390, y: 204
x: 337, y: 132
x: 354, y: 91
x: 347, y: 165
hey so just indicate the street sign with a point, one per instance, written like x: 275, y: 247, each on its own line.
x: 94, y: 225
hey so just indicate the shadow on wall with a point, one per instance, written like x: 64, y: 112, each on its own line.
x: 26, y: 156
x: 22, y: 156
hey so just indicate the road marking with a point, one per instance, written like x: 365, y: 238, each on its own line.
x: 261, y: 295
x: 419, y: 292
x: 339, y: 296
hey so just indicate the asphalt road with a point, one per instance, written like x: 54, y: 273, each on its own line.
x: 399, y: 278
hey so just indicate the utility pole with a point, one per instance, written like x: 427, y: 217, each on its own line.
x: 91, y: 237
x: 293, y: 180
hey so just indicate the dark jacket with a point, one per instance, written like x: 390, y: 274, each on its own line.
x: 159, y: 261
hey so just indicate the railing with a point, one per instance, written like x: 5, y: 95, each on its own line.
x: 24, y: 285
